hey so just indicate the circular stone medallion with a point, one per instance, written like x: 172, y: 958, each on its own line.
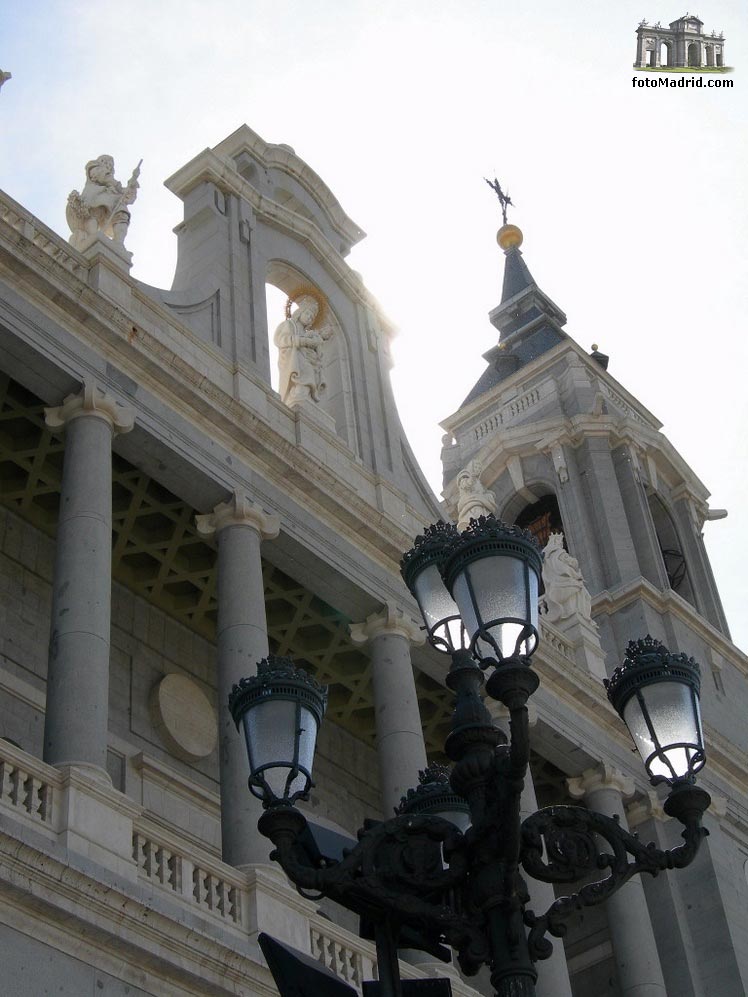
x: 184, y: 717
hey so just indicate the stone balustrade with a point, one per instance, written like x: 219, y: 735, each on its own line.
x: 25, y: 789
x: 195, y: 887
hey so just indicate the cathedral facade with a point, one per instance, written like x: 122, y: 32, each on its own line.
x: 167, y: 518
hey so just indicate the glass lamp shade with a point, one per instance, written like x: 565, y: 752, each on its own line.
x: 280, y: 710
x: 656, y: 694
x: 492, y: 571
x: 435, y: 796
x: 420, y: 569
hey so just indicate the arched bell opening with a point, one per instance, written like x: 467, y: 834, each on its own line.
x: 541, y: 517
x: 671, y: 548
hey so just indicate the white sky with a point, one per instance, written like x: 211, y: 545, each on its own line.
x: 632, y: 201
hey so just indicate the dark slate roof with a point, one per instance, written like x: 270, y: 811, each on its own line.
x: 502, y: 364
x: 516, y: 275
x: 529, y: 323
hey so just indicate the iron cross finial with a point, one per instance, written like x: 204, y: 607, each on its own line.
x: 504, y: 199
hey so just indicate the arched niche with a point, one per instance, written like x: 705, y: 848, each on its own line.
x: 671, y: 548
x: 283, y: 280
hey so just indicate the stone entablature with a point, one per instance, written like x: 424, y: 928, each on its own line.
x: 682, y: 44
x: 225, y: 404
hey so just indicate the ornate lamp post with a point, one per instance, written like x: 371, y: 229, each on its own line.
x: 454, y: 878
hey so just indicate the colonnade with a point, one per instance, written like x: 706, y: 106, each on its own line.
x: 76, y: 720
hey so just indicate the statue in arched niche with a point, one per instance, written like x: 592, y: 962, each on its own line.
x: 565, y: 591
x: 102, y: 204
x: 473, y: 499
x: 300, y: 340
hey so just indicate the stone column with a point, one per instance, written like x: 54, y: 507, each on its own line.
x: 639, y: 972
x: 400, y: 746
x: 239, y: 527
x: 77, y: 713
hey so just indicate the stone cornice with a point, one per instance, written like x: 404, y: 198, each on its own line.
x: 281, y: 157
x: 667, y: 601
x: 239, y: 510
x: 547, y: 435
x: 136, y: 923
x: 389, y: 621
x: 207, y: 166
x: 161, y: 368
x: 522, y: 379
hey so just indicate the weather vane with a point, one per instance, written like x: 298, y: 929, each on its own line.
x: 505, y: 199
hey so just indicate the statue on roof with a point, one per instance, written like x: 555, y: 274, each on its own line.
x: 4, y: 77
x: 504, y: 199
x: 473, y: 499
x: 101, y: 207
x: 300, y: 340
x: 565, y: 591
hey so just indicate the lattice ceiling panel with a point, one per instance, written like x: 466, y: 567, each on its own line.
x: 158, y: 553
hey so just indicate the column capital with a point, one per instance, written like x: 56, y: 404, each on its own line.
x: 602, y: 776
x: 644, y: 808
x: 239, y: 510
x: 389, y: 621
x: 94, y: 402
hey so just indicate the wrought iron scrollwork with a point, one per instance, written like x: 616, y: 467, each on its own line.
x: 405, y: 868
x: 565, y: 844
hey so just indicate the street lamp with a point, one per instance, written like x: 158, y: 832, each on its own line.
x: 448, y: 864
x: 280, y: 709
x: 656, y: 694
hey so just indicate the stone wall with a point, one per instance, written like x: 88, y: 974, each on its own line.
x: 146, y: 645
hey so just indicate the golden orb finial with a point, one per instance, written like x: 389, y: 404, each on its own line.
x: 509, y: 237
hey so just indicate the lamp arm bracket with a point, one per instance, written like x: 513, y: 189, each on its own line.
x: 396, y: 870
x: 562, y: 845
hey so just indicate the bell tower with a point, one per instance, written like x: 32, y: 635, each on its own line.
x: 564, y: 446
x: 547, y: 438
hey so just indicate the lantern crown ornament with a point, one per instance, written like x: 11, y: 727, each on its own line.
x: 656, y: 694
x: 280, y: 709
x: 421, y: 568
x: 492, y: 571
x: 434, y: 795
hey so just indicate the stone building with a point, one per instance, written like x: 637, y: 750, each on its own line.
x: 684, y: 43
x: 168, y: 517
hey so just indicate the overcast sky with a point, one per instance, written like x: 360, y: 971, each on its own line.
x: 632, y: 200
